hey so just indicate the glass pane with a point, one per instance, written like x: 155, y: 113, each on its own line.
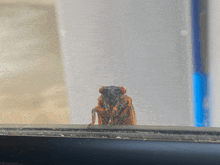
x: 109, y: 62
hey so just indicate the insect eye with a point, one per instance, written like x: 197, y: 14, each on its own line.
x: 100, y: 89
x: 123, y: 89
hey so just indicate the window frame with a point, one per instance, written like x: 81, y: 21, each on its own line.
x: 80, y: 144
x: 140, y: 132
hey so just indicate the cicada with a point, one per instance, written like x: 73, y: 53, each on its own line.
x: 114, y: 107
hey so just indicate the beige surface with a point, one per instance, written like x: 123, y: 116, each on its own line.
x: 32, y: 87
x: 34, y: 2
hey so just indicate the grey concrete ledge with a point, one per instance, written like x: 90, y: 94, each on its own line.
x: 149, y: 133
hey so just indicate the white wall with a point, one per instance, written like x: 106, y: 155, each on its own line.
x: 214, y: 60
x: 144, y: 45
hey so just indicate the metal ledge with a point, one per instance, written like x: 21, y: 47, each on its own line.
x: 149, y: 133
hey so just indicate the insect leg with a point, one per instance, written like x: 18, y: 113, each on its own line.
x: 93, y: 117
x: 122, y: 119
x: 121, y: 108
x: 102, y: 119
x: 128, y: 118
x: 110, y: 122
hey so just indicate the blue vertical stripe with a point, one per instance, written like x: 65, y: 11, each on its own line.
x: 199, y: 77
x: 198, y: 98
x: 196, y: 37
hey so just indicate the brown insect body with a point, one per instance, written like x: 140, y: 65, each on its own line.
x: 114, y: 107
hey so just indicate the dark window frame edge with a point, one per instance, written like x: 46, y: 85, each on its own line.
x: 146, y: 133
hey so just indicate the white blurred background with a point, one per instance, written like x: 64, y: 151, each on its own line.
x: 143, y: 45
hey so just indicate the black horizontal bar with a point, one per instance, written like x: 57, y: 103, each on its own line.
x: 50, y: 150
